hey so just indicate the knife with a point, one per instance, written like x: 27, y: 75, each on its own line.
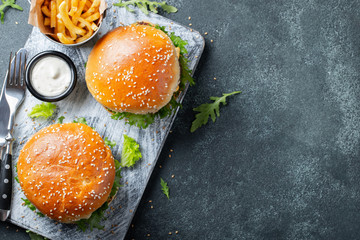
x: 4, y: 121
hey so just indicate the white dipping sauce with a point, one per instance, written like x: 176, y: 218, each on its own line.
x: 50, y: 76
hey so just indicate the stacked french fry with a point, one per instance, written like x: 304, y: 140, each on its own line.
x: 73, y: 21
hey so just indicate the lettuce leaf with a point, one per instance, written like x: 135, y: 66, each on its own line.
x: 43, y: 110
x: 28, y: 204
x: 80, y: 120
x: 130, y: 153
x: 110, y: 143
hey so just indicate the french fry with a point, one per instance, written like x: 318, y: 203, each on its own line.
x: 88, y: 34
x: 64, y: 39
x: 68, y: 6
x: 91, y: 18
x: 85, y: 23
x: 94, y: 27
x: 74, y: 7
x: 60, y: 27
x: 72, y: 34
x: 88, y: 4
x: 79, y: 11
x: 53, y: 14
x: 94, y: 6
x: 46, y: 11
x: 47, y: 21
x: 67, y: 21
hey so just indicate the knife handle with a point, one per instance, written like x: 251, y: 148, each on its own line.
x: 6, y: 182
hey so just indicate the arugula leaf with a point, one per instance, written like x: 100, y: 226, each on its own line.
x: 164, y: 188
x: 61, y: 119
x: 80, y: 120
x: 207, y: 110
x: 44, y: 110
x: 7, y: 3
x: 146, y: 5
x: 185, y: 72
x: 110, y: 143
x: 35, y: 236
x: 28, y: 204
x: 130, y: 153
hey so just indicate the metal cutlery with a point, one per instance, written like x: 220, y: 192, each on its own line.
x: 12, y: 96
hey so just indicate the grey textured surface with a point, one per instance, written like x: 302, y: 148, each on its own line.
x: 282, y: 161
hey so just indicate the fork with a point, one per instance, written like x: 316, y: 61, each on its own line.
x: 14, y: 94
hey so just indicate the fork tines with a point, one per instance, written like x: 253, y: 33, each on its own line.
x: 16, y: 71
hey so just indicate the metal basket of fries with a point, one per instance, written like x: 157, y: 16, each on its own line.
x: 67, y: 22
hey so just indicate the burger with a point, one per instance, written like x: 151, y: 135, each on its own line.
x: 66, y: 171
x: 136, y: 72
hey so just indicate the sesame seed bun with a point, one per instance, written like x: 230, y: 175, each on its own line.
x: 133, y: 69
x: 66, y: 171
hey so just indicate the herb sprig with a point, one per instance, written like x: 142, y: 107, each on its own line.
x: 61, y: 119
x: 7, y: 3
x: 35, y: 236
x: 146, y: 5
x: 207, y: 110
x: 165, y: 188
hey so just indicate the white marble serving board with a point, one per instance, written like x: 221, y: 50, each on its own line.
x: 81, y: 104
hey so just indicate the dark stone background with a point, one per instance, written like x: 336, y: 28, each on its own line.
x: 282, y: 161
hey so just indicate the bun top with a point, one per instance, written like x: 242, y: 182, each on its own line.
x: 133, y: 69
x: 66, y: 171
